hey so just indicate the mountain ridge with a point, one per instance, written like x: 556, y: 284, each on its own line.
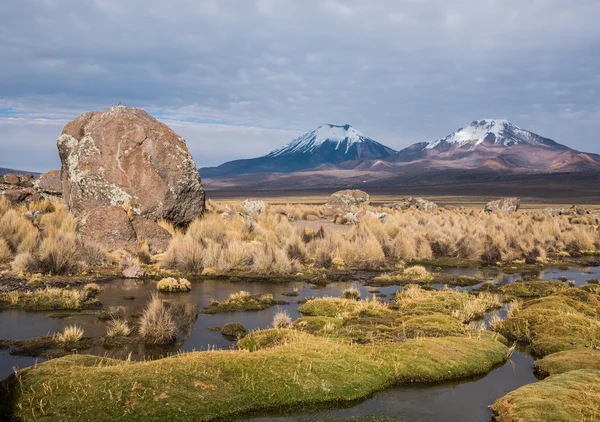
x: 482, y: 145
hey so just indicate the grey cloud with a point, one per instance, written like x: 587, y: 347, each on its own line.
x: 400, y: 71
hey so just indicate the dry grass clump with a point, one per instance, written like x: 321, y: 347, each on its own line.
x: 282, y: 320
x: 43, y: 238
x: 156, y: 323
x: 92, y: 288
x: 70, y: 336
x: 241, y: 301
x: 173, y: 285
x: 351, y: 293
x: 268, y: 243
x: 117, y: 328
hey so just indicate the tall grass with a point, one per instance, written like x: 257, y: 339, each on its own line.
x: 156, y: 323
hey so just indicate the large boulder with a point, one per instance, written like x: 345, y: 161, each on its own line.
x: 345, y: 201
x: 125, y: 156
x: 122, y: 170
x: 49, y: 185
x: 507, y: 205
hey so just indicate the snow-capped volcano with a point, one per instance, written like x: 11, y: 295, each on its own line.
x: 326, y: 145
x: 485, y: 138
x: 341, y: 138
x: 496, y: 131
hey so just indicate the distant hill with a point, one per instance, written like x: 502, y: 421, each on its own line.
x: 4, y: 171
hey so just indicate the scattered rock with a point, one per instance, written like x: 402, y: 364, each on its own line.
x: 133, y: 272
x: 574, y: 210
x: 18, y: 188
x: 233, y: 329
x: 124, y: 159
x: 507, y: 205
x: 286, y: 214
x: 253, y: 208
x: 49, y: 185
x: 346, y: 201
x: 416, y: 203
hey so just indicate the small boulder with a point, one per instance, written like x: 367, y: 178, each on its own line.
x: 346, y: 201
x: 415, y: 202
x: 133, y: 272
x: 233, y: 329
x: 49, y: 185
x: 147, y: 230
x: 11, y: 179
x: 507, y: 205
x: 253, y: 208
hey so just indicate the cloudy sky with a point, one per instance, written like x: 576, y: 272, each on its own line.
x: 238, y: 78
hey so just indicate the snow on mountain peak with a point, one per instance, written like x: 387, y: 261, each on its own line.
x: 504, y: 133
x: 324, y: 133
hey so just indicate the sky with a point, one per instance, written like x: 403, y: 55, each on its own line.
x: 238, y: 78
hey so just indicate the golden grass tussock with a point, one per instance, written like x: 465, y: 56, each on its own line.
x: 42, y: 236
x: 70, y: 336
x: 156, y: 324
x: 118, y: 328
x: 171, y: 284
x: 269, y: 243
x: 282, y: 320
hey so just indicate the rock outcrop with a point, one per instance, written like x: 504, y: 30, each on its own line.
x: 18, y: 188
x: 345, y: 201
x: 49, y: 185
x: 574, y: 210
x: 122, y: 170
x: 507, y: 205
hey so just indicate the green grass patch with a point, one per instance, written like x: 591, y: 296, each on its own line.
x: 562, y: 321
x: 242, y: 301
x: 202, y: 386
x: 49, y: 299
x: 569, y: 397
x: 571, y: 360
x: 533, y: 288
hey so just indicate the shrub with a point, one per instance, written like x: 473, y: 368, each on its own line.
x: 117, y: 328
x: 233, y: 329
x: 173, y: 285
x: 282, y: 320
x: 156, y: 323
x: 70, y: 336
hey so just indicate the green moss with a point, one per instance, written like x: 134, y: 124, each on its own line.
x: 532, y: 289
x: 569, y: 397
x: 205, y: 385
x: 49, y: 299
x: 563, y: 321
x: 561, y: 362
x: 332, y: 307
x: 245, y: 302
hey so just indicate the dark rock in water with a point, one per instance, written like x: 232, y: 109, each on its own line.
x: 233, y: 329
x: 507, y: 205
x: 124, y: 159
x: 49, y: 185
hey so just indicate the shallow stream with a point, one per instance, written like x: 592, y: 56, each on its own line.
x: 465, y: 401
